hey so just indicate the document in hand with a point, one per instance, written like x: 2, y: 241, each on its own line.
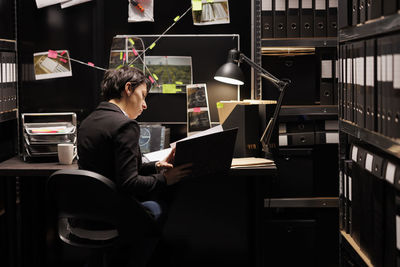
x: 209, y: 154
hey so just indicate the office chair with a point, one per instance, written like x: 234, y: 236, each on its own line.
x: 93, y: 214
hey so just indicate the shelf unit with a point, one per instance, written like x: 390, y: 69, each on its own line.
x: 387, y: 148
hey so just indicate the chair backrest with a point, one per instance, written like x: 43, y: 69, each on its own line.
x: 88, y: 196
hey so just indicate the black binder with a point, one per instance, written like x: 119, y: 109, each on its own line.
x: 390, y: 92
x: 347, y: 192
x: 359, y: 60
x: 387, y: 85
x: 293, y: 19
x: 355, y: 12
x: 335, y: 80
x: 370, y: 84
x: 332, y: 25
x: 341, y: 195
x: 326, y: 82
x: 362, y: 6
x: 345, y: 86
x: 307, y: 18
x: 395, y: 99
x: 267, y: 19
x: 345, y: 15
x: 350, y: 83
x: 389, y: 7
x: 379, y: 89
x: 1, y: 83
x: 280, y: 19
x: 320, y: 18
x: 340, y: 82
x: 376, y: 9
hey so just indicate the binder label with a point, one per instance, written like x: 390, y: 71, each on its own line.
x: 345, y: 185
x: 384, y: 68
x: 354, y: 153
x: 349, y: 67
x: 340, y: 183
x: 326, y: 68
x: 266, y: 5
x: 333, y: 3
x: 280, y: 5
x: 350, y: 186
x: 360, y: 70
x: 370, y: 71
x: 332, y: 138
x: 396, y: 71
x: 320, y: 5
x: 283, y: 140
x: 306, y: 4
x: 337, y: 69
x: 368, y: 162
x: 398, y: 232
x: 293, y: 4
x: 390, y: 171
x: 379, y: 68
x: 389, y: 62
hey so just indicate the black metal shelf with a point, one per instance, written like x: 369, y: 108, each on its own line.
x: 311, y: 110
x: 10, y: 45
x: 375, y: 27
x: 10, y: 115
x: 300, y: 42
x: 387, y: 144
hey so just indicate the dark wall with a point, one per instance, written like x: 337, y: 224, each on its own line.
x: 86, y: 30
x: 7, y: 19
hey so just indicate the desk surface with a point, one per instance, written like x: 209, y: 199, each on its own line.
x: 17, y: 167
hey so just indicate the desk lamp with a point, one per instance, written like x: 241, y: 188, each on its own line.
x: 231, y: 73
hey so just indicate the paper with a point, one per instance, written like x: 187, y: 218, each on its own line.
x: 73, y: 3
x: 251, y: 162
x: 157, y: 155
x: 212, y: 130
x: 44, y: 3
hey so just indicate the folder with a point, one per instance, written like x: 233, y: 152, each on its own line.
x: 320, y: 18
x: 379, y: 92
x: 395, y: 99
x: 344, y: 86
x: 307, y: 18
x: 389, y: 7
x: 387, y: 85
x: 350, y: 83
x: 390, y: 93
x: 293, y: 19
x: 340, y: 82
x: 1, y: 83
x: 370, y: 84
x: 326, y: 81
x: 355, y: 12
x: 344, y: 15
x: 359, y: 48
x: 362, y: 6
x: 280, y: 19
x: 335, y: 80
x: 332, y: 25
x: 376, y: 9
x: 267, y: 19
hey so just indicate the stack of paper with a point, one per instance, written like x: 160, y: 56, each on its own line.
x: 252, y: 162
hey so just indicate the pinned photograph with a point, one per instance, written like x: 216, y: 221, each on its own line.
x: 140, y: 10
x: 52, y: 64
x: 198, y: 121
x: 216, y: 12
x: 126, y: 50
x: 198, y: 112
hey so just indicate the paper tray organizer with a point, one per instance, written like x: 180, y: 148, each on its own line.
x: 42, y: 132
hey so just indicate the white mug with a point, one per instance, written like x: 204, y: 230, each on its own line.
x: 66, y: 153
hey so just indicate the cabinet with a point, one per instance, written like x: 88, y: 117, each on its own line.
x: 369, y: 149
x: 301, y: 204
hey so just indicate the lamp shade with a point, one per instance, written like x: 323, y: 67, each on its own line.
x: 230, y: 73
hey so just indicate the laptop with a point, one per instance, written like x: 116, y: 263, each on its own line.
x: 209, y: 154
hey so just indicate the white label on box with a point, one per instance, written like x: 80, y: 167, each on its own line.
x: 360, y: 71
x: 332, y: 138
x: 326, y: 68
x: 398, y: 232
x: 337, y: 69
x: 320, y: 5
x: 283, y: 140
x: 389, y: 68
x: 3, y: 70
x: 8, y: 79
x: 396, y: 71
x: 390, y: 171
x: 280, y: 5
x: 370, y: 71
x: 384, y: 68
x: 349, y: 76
x: 354, y: 153
x: 306, y: 4
x: 333, y: 3
x: 345, y: 185
x: 368, y: 162
x: 293, y: 4
x: 379, y: 68
x: 350, y: 186
x: 266, y: 5
x: 340, y: 183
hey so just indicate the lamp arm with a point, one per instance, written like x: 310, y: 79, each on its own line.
x: 278, y: 83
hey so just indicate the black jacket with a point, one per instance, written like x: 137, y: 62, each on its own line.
x: 108, y: 143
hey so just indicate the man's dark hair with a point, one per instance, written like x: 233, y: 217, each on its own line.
x: 114, y: 81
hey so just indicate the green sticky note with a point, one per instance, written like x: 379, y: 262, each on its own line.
x: 120, y: 55
x: 179, y: 90
x: 196, y: 5
x: 152, y: 45
x: 155, y: 76
x: 169, y: 89
x: 120, y: 66
x: 176, y: 18
x: 177, y: 82
x: 210, y: 1
x: 220, y: 105
x: 131, y: 41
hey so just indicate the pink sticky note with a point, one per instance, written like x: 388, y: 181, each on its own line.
x: 52, y: 54
x: 90, y: 64
x: 197, y: 110
x: 124, y: 57
x: 63, y: 60
x: 134, y: 52
x: 63, y: 52
x: 151, y: 79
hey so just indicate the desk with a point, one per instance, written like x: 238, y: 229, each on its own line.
x: 214, y: 220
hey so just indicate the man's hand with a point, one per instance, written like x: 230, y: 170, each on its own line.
x: 177, y: 173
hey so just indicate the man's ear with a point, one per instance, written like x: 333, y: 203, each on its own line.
x: 128, y: 89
